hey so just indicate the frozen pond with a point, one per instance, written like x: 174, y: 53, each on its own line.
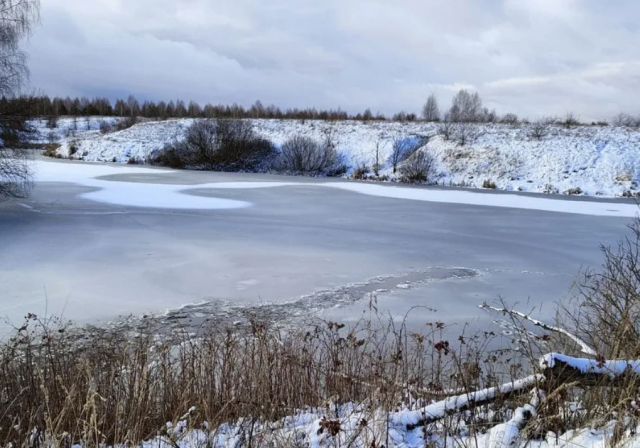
x: 95, y: 242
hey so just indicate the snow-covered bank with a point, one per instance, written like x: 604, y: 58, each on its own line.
x: 597, y: 160
x: 362, y: 427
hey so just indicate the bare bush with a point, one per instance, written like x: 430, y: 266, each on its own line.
x: 126, y: 123
x: 105, y: 127
x: 570, y: 119
x: 488, y: 116
x: 222, y: 145
x: 167, y: 157
x: 305, y: 155
x: 466, y: 133
x: 541, y: 127
x: 361, y: 171
x: 509, y: 118
x: 446, y: 129
x: 607, y: 308
x: 489, y: 184
x: 621, y: 119
x: 431, y: 109
x: 624, y: 119
x: 418, y: 168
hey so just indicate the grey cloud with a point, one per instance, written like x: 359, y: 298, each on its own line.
x: 531, y: 57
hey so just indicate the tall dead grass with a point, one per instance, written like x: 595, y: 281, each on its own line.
x: 66, y: 384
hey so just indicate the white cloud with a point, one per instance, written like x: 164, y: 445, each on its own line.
x: 531, y: 57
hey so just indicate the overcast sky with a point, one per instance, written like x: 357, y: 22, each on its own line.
x: 532, y: 57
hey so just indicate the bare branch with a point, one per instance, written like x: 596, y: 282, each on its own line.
x: 583, y: 345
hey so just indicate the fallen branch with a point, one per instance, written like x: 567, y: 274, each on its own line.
x: 452, y: 405
x: 585, y: 348
x: 560, y: 368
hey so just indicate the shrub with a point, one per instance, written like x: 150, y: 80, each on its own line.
x: 607, y: 307
x: 576, y: 190
x: 221, y: 145
x: 570, y: 120
x: 418, y: 168
x: 466, y: 133
x: 509, y: 118
x: 51, y: 150
x: 446, y: 129
x: 105, y: 127
x: 625, y: 119
x: 489, y: 184
x: 550, y: 189
x: 52, y: 122
x: 167, y: 157
x: 361, y: 172
x: 125, y: 123
x: 540, y: 128
x: 305, y: 155
x: 73, y: 148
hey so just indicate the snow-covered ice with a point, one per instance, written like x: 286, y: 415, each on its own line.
x: 154, y: 195
x: 134, y: 194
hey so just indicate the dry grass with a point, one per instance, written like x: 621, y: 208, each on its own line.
x: 97, y: 386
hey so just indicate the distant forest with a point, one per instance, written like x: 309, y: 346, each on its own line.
x: 131, y: 107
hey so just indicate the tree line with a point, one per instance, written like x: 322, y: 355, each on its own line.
x: 132, y: 107
x: 466, y: 107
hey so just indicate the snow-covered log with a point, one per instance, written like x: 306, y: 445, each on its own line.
x: 452, y: 405
x: 506, y: 435
x: 560, y: 368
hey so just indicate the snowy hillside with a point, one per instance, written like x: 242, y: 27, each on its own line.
x: 597, y: 160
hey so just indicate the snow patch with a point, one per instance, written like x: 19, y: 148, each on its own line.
x: 132, y: 194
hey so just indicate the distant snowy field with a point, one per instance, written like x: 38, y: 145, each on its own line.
x: 598, y: 160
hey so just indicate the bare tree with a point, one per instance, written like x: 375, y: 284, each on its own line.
x: 466, y: 107
x: 540, y: 127
x: 17, y: 18
x: 625, y: 119
x: 431, y: 109
x: 376, y: 164
x: 401, y: 150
